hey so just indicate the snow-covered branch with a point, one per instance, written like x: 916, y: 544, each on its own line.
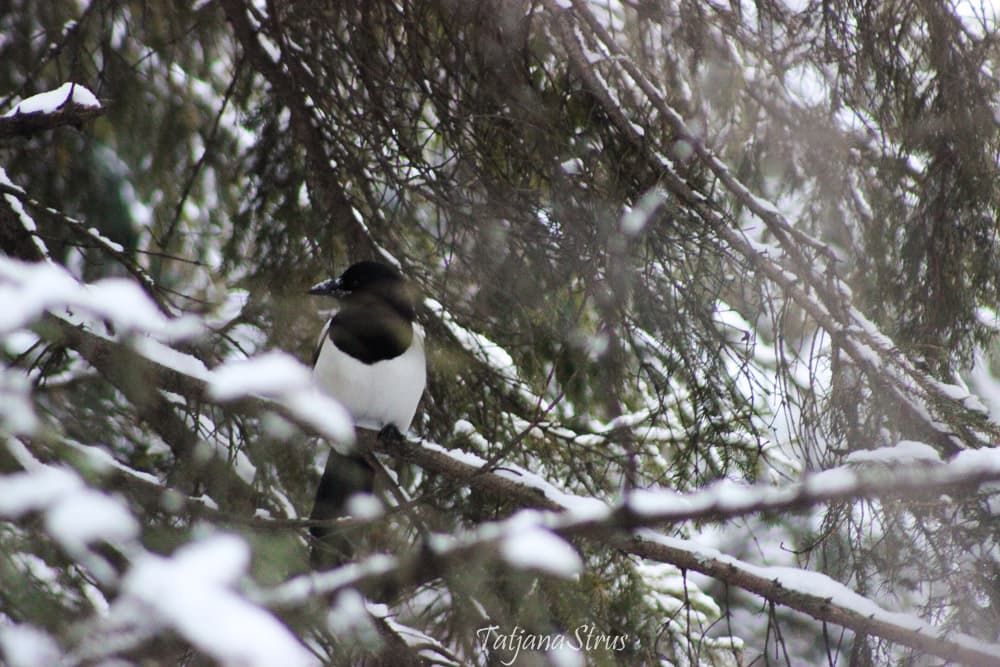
x: 814, y: 286
x: 85, y: 234
x: 585, y: 517
x: 669, y: 257
x: 806, y: 591
x: 817, y: 595
x: 70, y: 104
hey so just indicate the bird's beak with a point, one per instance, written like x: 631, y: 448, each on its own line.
x: 329, y: 287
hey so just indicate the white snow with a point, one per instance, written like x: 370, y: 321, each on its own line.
x: 467, y: 430
x: 364, y: 507
x: 524, y: 542
x: 481, y: 347
x: 981, y: 460
x: 910, y: 470
x: 462, y: 456
x: 283, y: 378
x: 836, y: 480
x: 635, y: 218
x: 575, y: 505
x: 806, y: 84
x: 536, y: 548
x: 988, y: 317
x: 564, y: 655
x: 961, y: 394
x: 905, y: 451
x: 572, y: 166
x: 272, y: 49
x: 123, y: 302
x: 646, y: 502
x: 17, y: 206
x: 74, y: 514
x: 105, y: 241
x: 272, y: 373
x: 17, y: 413
x: 34, y: 490
x: 52, y: 100
x: 985, y: 384
x: 822, y: 586
x: 231, y: 307
x: 734, y: 496
x: 423, y: 644
x: 88, y: 516
x: 27, y: 646
x: 578, y: 507
x: 348, y: 617
x: 193, y: 592
x: 323, y: 413
x: 28, y: 289
x: 299, y: 588
x: 183, y: 363
x: 670, y: 587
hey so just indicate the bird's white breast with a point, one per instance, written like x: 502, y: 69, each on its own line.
x: 386, y: 392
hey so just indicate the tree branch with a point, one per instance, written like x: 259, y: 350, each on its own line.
x: 868, y: 348
x: 28, y: 124
x: 326, y: 191
x: 141, y: 381
x: 805, y: 591
x: 612, y: 528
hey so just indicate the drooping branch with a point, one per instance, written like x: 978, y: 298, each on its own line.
x: 819, y: 597
x: 792, y: 265
x: 327, y: 193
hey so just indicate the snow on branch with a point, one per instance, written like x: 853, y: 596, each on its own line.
x: 32, y: 288
x: 69, y: 104
x: 625, y: 527
x: 808, y: 592
x: 815, y: 286
x: 570, y: 516
x: 75, y: 515
x: 728, y: 500
x: 18, y: 231
x: 194, y: 592
x: 583, y: 517
x: 490, y: 354
x: 143, y: 382
x: 18, y: 198
x: 288, y: 382
x: 818, y: 596
x: 523, y: 541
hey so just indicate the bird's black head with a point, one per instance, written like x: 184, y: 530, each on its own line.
x: 367, y: 280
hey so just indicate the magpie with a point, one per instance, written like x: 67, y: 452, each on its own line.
x: 370, y: 357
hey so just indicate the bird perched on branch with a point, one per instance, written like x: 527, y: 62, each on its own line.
x: 370, y: 357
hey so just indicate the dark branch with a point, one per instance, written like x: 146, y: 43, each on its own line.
x: 28, y: 124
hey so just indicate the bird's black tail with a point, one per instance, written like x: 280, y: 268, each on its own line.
x: 344, y: 476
